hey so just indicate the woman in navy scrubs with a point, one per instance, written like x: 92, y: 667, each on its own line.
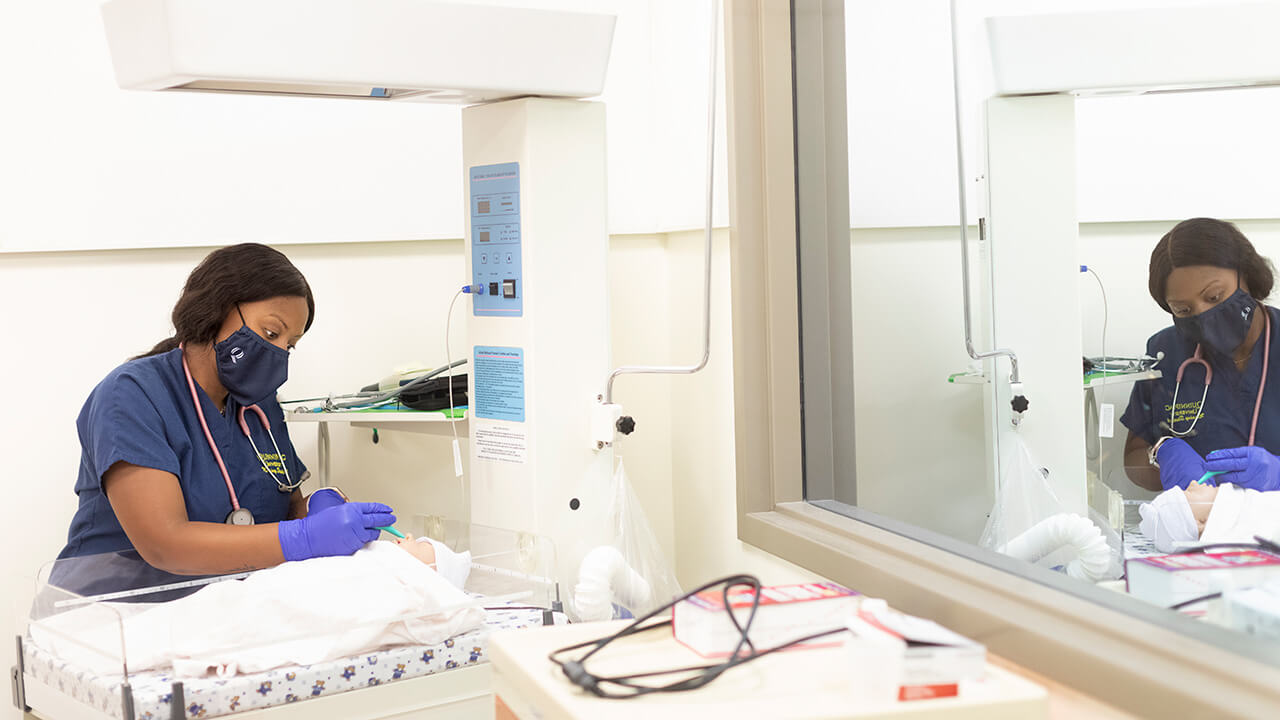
x: 185, y: 455
x: 1216, y: 407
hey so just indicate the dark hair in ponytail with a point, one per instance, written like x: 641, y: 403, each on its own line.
x: 236, y: 274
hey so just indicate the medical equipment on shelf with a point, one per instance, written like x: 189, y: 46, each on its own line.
x: 239, y: 515
x: 1198, y: 359
x: 438, y: 393
x: 1122, y: 363
x: 366, y: 398
x: 398, y: 378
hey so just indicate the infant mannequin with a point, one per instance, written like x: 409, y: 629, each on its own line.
x: 452, y: 566
x: 297, y: 613
x: 1210, y: 514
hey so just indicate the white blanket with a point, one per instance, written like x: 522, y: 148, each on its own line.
x: 1239, y: 514
x: 298, y: 613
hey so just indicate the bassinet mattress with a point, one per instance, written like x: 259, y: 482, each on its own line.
x: 211, y: 696
x: 1137, y: 545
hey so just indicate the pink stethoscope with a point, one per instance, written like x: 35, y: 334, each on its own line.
x: 238, y: 515
x: 1198, y: 358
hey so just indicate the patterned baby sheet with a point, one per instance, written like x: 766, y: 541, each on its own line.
x: 212, y: 697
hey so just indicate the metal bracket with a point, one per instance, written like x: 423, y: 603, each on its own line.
x: 604, y: 419
x: 19, y: 681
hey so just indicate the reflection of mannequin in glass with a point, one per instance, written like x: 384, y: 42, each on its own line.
x: 1207, y: 412
x: 1209, y: 514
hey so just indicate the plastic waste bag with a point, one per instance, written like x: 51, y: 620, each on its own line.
x: 1030, y: 523
x: 630, y: 576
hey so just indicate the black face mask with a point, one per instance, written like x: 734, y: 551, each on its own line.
x: 1222, y: 327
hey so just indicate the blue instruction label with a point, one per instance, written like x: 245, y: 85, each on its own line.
x: 499, y: 383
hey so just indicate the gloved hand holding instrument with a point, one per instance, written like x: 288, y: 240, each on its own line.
x: 338, y: 530
x: 1249, y: 467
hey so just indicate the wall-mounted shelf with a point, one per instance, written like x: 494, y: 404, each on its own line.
x: 429, y: 423
x: 1121, y: 378
x: 424, y: 422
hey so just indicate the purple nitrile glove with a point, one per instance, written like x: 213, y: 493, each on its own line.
x: 1180, y: 464
x: 323, y: 499
x: 1247, y: 467
x: 339, y: 530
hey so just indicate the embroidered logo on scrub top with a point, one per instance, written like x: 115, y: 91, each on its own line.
x: 274, y: 463
x: 1184, y: 414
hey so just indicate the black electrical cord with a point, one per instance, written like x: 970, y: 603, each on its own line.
x: 1259, y: 543
x: 1199, y: 549
x: 1194, y: 600
x: 577, y: 673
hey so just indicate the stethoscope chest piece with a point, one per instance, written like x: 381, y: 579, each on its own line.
x: 240, y: 516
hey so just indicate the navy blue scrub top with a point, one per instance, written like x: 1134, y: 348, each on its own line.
x: 142, y: 414
x: 1228, y: 409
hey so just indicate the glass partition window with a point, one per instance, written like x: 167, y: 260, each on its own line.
x: 903, y: 430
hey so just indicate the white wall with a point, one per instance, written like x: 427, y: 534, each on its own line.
x: 91, y: 166
x: 703, y: 469
x: 919, y: 439
x: 1141, y: 158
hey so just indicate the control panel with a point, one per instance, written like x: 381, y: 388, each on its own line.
x: 495, y: 240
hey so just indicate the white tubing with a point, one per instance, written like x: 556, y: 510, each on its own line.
x: 1092, y: 554
x: 603, y: 576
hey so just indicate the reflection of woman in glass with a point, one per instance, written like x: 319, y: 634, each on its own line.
x: 1216, y: 407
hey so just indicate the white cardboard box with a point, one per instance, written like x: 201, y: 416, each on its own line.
x: 1170, y: 579
x: 786, y: 612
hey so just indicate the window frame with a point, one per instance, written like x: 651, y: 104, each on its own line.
x: 1138, y: 657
